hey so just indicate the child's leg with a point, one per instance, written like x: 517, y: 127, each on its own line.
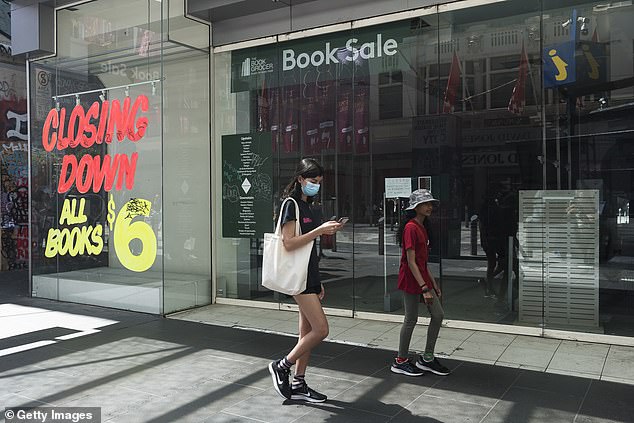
x: 437, y: 314
x: 410, y: 303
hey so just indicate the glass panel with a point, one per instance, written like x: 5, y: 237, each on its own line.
x: 588, y: 79
x: 386, y: 172
x: 326, y: 107
x: 287, y: 103
x: 98, y: 208
x: 186, y: 174
x: 490, y: 68
x: 97, y: 180
x: 246, y: 106
x: 14, y: 201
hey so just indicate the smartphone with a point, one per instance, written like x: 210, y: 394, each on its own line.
x: 343, y: 220
x: 333, y: 217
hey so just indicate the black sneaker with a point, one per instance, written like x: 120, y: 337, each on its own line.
x: 432, y: 366
x: 405, y: 368
x: 305, y: 393
x: 280, y: 379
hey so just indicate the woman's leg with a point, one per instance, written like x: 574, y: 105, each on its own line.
x: 410, y: 303
x: 310, y: 307
x: 304, y: 329
x: 437, y: 315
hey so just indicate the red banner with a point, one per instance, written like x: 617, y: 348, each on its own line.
x: 344, y: 116
x: 518, y: 98
x: 452, y: 85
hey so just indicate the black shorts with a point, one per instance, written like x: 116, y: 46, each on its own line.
x: 313, y: 289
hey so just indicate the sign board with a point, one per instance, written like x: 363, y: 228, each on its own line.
x: 569, y: 62
x: 328, y: 57
x: 434, y: 131
x: 490, y: 158
x: 398, y: 187
x: 247, y: 169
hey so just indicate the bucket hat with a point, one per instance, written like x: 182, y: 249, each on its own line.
x: 419, y: 196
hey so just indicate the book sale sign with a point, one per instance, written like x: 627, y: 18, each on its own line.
x: 104, y: 122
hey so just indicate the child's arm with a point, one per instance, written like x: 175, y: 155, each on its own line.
x: 411, y: 262
x: 436, y: 287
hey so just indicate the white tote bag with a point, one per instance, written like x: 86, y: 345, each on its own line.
x: 282, y: 270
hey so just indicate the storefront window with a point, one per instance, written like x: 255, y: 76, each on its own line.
x: 515, y: 116
x: 119, y: 132
x: 589, y: 127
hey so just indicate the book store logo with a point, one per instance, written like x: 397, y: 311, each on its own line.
x: 255, y: 66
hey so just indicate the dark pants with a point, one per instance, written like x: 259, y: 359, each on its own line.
x: 411, y: 302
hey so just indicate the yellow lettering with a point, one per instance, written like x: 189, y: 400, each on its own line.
x: 97, y: 240
x: 74, y: 242
x: 68, y: 212
x: 51, y: 243
x: 594, y: 65
x: 64, y: 242
x: 560, y: 65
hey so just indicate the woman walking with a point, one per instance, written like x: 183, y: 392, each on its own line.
x: 313, y: 325
x: 414, y: 279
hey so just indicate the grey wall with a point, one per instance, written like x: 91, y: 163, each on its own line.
x: 302, y: 16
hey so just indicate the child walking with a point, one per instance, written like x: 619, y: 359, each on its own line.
x: 414, y: 279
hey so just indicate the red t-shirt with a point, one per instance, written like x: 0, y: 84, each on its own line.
x: 414, y: 238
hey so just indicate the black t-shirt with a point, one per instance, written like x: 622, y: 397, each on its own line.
x: 307, y: 223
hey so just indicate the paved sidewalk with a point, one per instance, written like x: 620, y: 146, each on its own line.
x: 142, y: 368
x: 611, y: 363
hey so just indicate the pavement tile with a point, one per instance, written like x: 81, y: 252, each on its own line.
x: 523, y: 405
x: 378, y: 327
x: 525, y: 356
x: 113, y: 399
x: 430, y: 409
x: 552, y: 383
x: 618, y: 364
x: 268, y: 406
x: 607, y: 401
x: 336, y: 411
x: 360, y: 336
x: 488, y: 353
x: 385, y: 387
x: 576, y: 364
x: 194, y: 404
x: 473, y: 383
x: 584, y: 348
x: 224, y: 417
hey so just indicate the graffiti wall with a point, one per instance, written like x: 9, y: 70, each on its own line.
x: 14, y: 194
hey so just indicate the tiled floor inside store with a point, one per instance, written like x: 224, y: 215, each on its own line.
x: 590, y: 360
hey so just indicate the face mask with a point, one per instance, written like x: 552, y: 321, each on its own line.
x: 310, y: 189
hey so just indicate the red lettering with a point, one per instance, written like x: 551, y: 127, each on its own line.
x: 127, y: 169
x: 141, y: 123
x: 52, y: 120
x: 66, y: 180
x: 106, y: 171
x: 87, y: 126
x: 119, y: 119
x: 76, y: 115
x: 90, y: 171
x: 84, y: 182
x: 114, y: 118
x: 103, y: 120
x: 62, y: 142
